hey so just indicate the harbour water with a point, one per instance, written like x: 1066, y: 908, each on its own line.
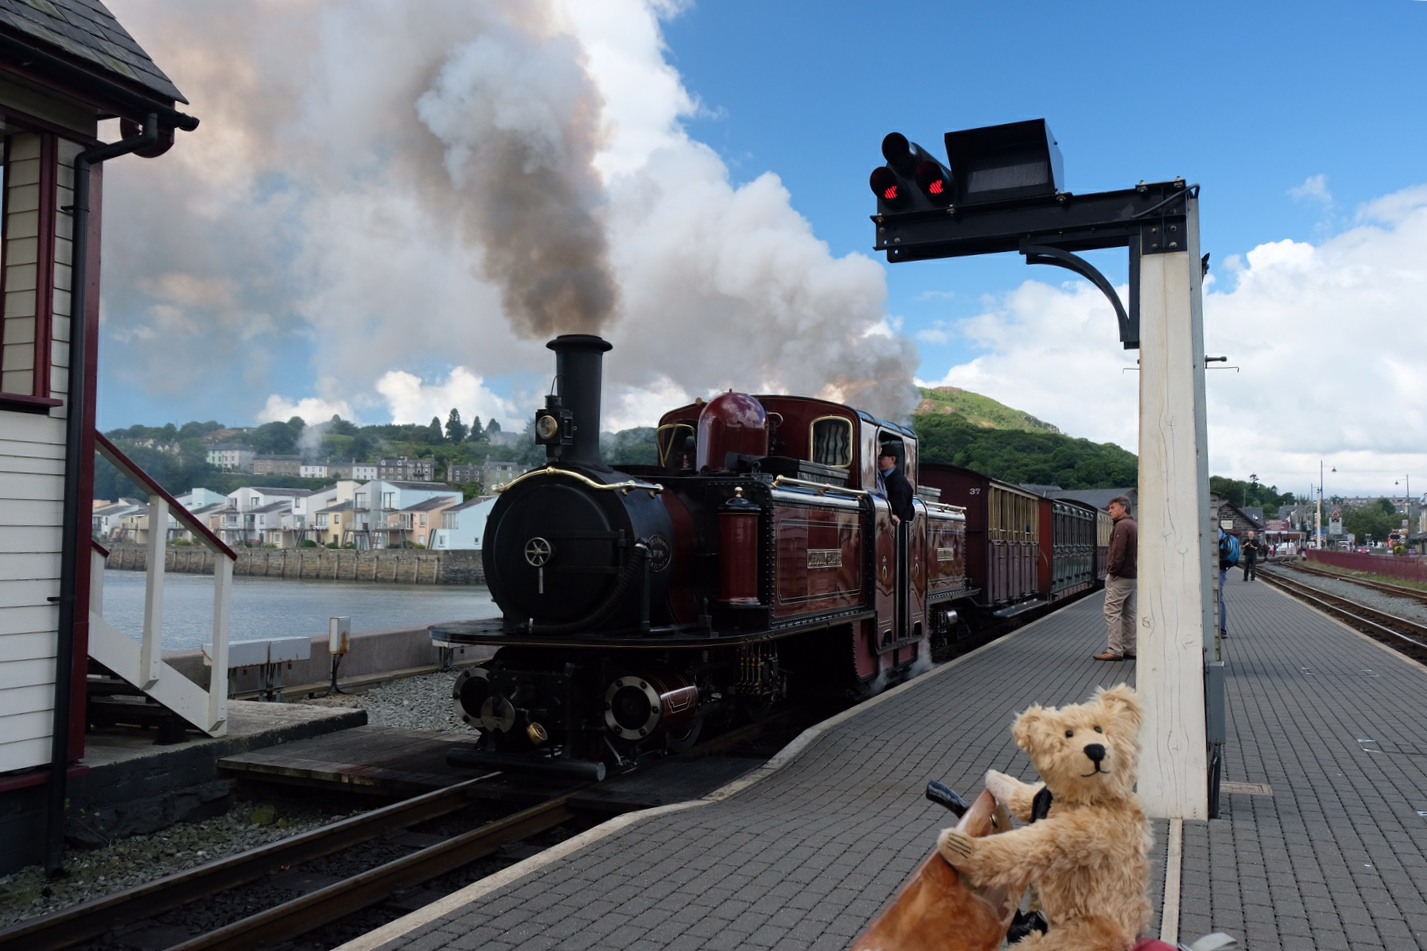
x: 267, y: 607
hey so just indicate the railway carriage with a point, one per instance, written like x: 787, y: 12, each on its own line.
x: 1068, y: 554
x: 1003, y: 537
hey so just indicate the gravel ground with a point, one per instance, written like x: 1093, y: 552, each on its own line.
x: 1403, y: 607
x: 418, y: 703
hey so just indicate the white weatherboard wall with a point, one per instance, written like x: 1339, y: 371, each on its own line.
x: 32, y: 464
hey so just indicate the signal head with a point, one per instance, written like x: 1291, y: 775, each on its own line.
x: 911, y: 180
x: 892, y: 193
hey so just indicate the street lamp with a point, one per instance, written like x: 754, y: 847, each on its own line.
x: 1407, y: 486
x: 1318, y: 529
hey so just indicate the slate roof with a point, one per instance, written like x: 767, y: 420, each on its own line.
x: 86, y: 30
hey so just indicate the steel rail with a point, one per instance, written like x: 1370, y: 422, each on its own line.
x: 77, y: 923
x: 1384, y: 625
x: 365, y: 889
x: 1386, y: 587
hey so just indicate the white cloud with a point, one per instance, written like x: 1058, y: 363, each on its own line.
x: 312, y: 409
x: 410, y: 399
x: 1324, y: 344
x: 1314, y: 188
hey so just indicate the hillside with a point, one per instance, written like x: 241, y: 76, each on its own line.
x: 955, y: 426
x: 978, y: 410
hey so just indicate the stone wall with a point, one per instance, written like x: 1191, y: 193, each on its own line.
x: 396, y: 565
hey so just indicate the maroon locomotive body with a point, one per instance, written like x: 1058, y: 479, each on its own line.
x: 755, y: 561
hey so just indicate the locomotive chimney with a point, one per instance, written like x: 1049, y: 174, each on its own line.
x: 576, y: 407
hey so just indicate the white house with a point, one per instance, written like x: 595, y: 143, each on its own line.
x: 379, y: 499
x: 464, y: 526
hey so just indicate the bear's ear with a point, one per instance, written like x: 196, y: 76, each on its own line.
x: 1123, y: 703
x: 1023, y: 730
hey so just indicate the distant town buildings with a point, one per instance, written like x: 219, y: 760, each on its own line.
x: 372, y: 515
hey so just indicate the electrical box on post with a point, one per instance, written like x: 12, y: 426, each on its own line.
x: 339, y: 635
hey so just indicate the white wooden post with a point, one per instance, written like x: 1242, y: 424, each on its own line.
x: 151, y: 649
x: 218, y: 675
x: 1174, y: 594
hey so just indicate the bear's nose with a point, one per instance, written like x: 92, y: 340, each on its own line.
x: 1096, y: 752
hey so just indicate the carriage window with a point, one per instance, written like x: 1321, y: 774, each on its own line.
x: 832, y: 441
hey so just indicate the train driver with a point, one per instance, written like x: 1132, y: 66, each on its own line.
x: 894, y: 485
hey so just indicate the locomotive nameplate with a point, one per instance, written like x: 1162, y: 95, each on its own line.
x: 824, y: 558
x: 946, y: 554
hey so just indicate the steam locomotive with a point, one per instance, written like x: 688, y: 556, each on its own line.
x: 756, y: 561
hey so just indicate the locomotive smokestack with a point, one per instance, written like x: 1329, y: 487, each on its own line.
x: 579, y: 381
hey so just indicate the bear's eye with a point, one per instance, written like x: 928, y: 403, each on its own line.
x: 1069, y: 734
x: 1098, y: 730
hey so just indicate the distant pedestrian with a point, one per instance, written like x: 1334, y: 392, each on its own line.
x: 1250, y: 557
x: 1121, y: 572
x: 1228, y: 558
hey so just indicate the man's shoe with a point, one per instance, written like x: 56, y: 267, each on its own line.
x: 1127, y: 656
x: 1109, y: 655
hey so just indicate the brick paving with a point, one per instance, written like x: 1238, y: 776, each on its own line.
x: 1329, y: 855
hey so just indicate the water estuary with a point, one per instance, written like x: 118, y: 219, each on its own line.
x: 267, y: 607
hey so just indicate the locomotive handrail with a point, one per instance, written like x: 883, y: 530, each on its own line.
x: 627, y: 486
x: 943, y: 507
x: 822, y: 487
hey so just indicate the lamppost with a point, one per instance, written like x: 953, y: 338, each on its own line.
x: 1407, y: 486
x: 1318, y: 528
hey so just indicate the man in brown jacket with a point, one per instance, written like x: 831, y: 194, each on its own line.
x: 1120, y: 582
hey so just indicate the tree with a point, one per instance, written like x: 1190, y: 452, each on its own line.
x: 433, y: 431
x: 455, y: 429
x: 477, y: 433
x: 1374, y: 520
x: 273, y: 439
x: 340, y: 427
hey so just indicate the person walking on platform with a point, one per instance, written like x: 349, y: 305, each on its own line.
x: 1228, y: 558
x: 1252, y: 547
x: 1120, y: 575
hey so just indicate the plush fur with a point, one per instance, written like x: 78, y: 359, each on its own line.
x: 1089, y: 859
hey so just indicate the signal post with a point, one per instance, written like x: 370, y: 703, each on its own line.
x: 1000, y: 191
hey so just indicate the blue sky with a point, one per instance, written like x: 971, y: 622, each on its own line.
x: 353, y: 227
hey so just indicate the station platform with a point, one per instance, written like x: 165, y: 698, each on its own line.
x: 1321, y: 839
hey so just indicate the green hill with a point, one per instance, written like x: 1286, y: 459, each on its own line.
x: 978, y: 410
x: 966, y: 429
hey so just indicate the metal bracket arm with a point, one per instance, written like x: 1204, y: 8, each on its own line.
x: 1129, y: 322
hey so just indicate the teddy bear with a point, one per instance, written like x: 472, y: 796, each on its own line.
x: 1088, y: 859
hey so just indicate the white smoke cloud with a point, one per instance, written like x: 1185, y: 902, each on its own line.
x: 388, y: 197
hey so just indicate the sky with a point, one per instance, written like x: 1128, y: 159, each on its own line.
x: 388, y: 209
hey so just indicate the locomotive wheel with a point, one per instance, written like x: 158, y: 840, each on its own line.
x: 683, y: 739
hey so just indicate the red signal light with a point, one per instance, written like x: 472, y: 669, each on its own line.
x: 888, y: 188
x: 935, y: 181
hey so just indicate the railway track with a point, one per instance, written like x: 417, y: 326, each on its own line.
x: 114, y: 921
x: 1384, y: 587
x: 342, y: 871
x: 1400, y: 633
